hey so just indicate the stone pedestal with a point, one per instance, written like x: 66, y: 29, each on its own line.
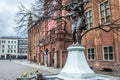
x: 76, y: 66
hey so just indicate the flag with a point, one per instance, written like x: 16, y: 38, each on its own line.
x: 51, y: 23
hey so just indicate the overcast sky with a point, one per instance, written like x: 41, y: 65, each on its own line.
x: 8, y: 10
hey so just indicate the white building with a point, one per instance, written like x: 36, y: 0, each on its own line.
x: 9, y: 48
x: 22, y: 48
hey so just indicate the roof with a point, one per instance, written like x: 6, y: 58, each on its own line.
x: 12, y: 37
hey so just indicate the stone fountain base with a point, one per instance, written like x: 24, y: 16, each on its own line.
x: 77, y: 68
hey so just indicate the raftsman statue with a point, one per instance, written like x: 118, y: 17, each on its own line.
x: 77, y: 17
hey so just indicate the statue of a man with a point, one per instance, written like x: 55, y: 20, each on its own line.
x: 76, y: 14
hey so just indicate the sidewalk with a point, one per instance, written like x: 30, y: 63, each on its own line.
x: 27, y: 63
x: 53, y: 70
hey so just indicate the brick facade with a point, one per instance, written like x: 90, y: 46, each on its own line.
x: 56, y: 41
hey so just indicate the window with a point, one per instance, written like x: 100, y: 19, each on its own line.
x: 2, y: 41
x: 3, y: 46
x: 89, y: 21
x: 105, y: 12
x: 8, y: 41
x: 2, y: 51
x: 8, y: 51
x: 14, y: 51
x: 108, y: 53
x: 8, y: 46
x: 91, y: 54
x: 14, y: 46
x: 11, y: 51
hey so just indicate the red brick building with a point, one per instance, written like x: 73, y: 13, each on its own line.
x: 101, y: 48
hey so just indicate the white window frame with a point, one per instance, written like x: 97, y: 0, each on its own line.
x: 90, y: 54
x: 108, y: 53
x: 88, y: 19
x: 104, y: 13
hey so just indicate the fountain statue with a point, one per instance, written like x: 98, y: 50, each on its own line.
x: 77, y: 18
x: 76, y: 66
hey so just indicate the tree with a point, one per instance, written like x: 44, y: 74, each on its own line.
x: 45, y: 9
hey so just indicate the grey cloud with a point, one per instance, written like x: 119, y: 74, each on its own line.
x: 7, y: 15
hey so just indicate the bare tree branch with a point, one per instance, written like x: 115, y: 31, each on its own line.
x: 42, y: 10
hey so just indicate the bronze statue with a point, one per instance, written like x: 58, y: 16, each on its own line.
x: 77, y: 17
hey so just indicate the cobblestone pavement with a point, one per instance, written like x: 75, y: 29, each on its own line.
x: 9, y: 70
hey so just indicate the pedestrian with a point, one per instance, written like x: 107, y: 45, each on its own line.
x: 53, y: 61
x: 10, y: 57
